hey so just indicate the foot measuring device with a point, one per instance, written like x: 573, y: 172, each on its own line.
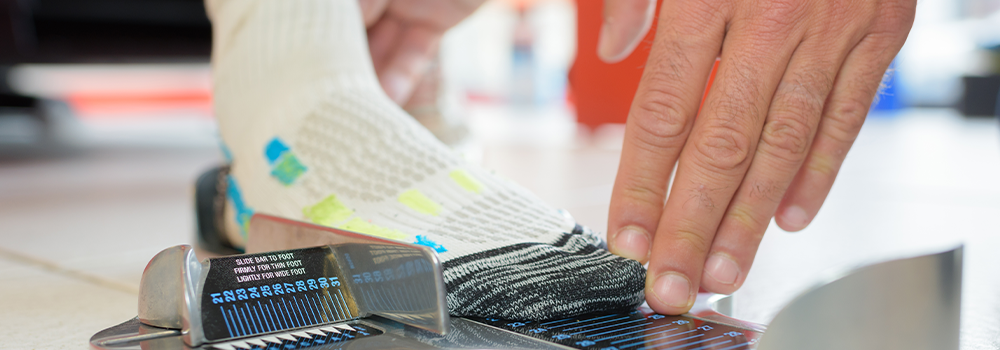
x: 333, y: 289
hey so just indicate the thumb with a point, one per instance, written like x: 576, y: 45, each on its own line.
x: 626, y: 22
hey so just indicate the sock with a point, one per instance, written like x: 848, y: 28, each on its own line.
x: 313, y: 137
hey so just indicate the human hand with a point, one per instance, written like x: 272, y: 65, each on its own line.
x: 403, y: 37
x: 794, y: 84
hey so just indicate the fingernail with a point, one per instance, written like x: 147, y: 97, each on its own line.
x: 632, y: 243
x: 723, y: 269
x: 673, y: 289
x: 397, y: 87
x: 795, y: 217
x: 606, y: 45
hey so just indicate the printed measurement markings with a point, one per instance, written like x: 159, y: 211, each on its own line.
x: 632, y: 331
x: 285, y: 312
x: 331, y: 336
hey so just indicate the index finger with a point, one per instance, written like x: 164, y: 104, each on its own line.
x: 659, y: 120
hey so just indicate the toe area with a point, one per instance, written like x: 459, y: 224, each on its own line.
x: 535, y: 281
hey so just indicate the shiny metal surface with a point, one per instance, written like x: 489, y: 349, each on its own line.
x: 719, y: 308
x: 169, y: 292
x: 161, y: 293
x: 911, y: 304
x: 465, y: 334
x: 173, y: 282
x: 269, y: 233
x: 128, y: 333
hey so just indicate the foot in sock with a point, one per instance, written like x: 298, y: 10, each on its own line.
x: 312, y: 136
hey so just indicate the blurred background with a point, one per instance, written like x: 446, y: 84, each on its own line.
x: 106, y: 120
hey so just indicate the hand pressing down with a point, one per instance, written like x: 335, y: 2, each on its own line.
x: 793, y: 87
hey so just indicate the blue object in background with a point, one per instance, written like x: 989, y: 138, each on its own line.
x: 888, y: 97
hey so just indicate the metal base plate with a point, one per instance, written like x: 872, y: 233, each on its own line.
x: 639, y: 329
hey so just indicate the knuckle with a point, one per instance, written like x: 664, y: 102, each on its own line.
x: 747, y: 224
x: 822, y: 165
x: 844, y: 122
x: 743, y: 217
x: 722, y: 148
x: 659, y: 119
x: 692, y: 241
x: 786, y: 138
x: 645, y: 191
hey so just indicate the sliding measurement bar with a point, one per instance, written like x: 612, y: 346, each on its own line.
x: 234, y: 297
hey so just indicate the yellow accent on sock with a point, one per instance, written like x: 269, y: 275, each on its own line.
x: 466, y: 181
x: 416, y: 200
x: 362, y: 226
x: 328, y: 212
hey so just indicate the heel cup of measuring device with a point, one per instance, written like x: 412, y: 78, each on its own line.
x: 210, y: 205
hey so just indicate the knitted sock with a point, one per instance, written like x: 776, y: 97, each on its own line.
x: 313, y: 137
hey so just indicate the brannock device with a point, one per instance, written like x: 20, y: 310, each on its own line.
x: 334, y: 289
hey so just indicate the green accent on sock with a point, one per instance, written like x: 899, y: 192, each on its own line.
x: 288, y: 169
x: 362, y: 226
x: 466, y: 181
x: 327, y: 212
x: 416, y: 200
x: 244, y: 223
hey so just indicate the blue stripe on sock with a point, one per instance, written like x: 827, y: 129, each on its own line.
x: 274, y: 150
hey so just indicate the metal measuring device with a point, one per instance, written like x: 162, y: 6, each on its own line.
x: 334, y: 289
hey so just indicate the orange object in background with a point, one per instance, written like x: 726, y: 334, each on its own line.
x: 131, y: 105
x: 603, y: 92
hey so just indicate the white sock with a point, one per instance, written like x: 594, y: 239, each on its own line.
x: 313, y: 137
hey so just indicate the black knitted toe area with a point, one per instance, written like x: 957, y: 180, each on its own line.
x: 536, y: 281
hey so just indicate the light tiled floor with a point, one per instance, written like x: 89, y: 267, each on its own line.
x: 43, y: 309
x: 76, y: 232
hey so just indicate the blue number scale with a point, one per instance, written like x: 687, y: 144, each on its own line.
x: 263, y: 293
